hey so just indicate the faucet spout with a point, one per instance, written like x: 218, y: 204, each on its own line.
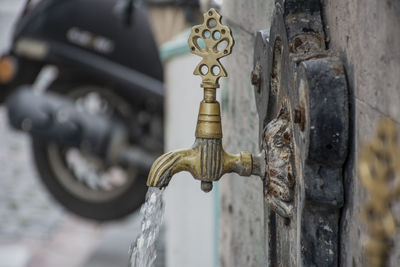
x: 206, y: 161
x: 167, y: 165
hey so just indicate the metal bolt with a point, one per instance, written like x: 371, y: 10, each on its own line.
x: 206, y: 186
x: 299, y: 117
x: 255, y: 78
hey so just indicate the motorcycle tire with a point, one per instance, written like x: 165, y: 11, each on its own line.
x: 63, y: 183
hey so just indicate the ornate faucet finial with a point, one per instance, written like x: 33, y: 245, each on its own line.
x: 211, y: 41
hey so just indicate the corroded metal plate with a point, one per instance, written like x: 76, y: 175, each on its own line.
x: 298, y: 75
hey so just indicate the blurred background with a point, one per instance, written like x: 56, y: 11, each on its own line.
x: 86, y: 81
x: 34, y: 229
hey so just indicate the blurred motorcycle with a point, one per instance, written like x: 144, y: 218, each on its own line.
x: 84, y: 79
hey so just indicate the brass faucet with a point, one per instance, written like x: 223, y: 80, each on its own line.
x: 206, y: 160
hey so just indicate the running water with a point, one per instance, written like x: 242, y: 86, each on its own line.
x: 143, y: 251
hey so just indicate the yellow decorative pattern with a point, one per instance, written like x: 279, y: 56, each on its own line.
x: 379, y: 169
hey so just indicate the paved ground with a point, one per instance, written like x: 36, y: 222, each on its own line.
x: 34, y: 230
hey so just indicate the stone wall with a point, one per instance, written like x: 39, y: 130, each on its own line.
x: 242, y: 240
x: 365, y: 35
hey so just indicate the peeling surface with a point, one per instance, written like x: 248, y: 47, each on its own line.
x: 278, y: 190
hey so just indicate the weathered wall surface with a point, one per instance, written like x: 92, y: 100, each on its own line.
x: 365, y: 34
x: 242, y: 240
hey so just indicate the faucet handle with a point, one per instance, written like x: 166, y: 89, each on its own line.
x: 211, y: 41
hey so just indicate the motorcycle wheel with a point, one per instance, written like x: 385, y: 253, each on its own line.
x: 83, y: 183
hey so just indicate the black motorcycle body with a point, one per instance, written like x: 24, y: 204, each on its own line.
x: 88, y: 39
x: 105, y: 54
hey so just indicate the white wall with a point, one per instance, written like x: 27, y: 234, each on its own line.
x: 189, y: 212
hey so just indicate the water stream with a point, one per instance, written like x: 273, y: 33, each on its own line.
x: 143, y: 250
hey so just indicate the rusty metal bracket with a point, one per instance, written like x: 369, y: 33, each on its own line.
x: 295, y: 75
